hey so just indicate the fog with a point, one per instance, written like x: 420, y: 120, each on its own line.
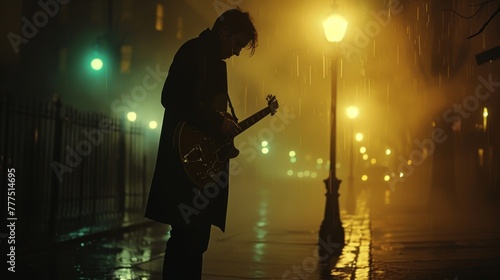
x: 403, y: 64
x: 408, y: 66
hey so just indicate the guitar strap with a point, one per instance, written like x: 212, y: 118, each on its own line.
x: 227, y: 94
x: 232, y: 109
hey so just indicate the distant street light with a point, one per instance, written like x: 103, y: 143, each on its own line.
x: 362, y: 149
x: 265, y: 147
x: 132, y: 116
x: 359, y: 136
x: 96, y: 64
x: 352, y: 112
x: 331, y: 230
x: 292, y: 154
x: 485, y: 118
x: 153, y: 124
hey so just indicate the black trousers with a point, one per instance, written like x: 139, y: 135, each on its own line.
x: 183, y: 258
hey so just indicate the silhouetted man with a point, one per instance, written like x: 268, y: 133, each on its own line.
x: 195, y: 91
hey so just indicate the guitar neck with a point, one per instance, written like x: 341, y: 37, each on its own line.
x: 253, y: 119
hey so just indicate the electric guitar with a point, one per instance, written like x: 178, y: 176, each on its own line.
x: 203, y: 155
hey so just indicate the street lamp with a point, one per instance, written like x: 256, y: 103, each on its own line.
x: 359, y: 136
x: 352, y: 113
x: 331, y: 230
x: 335, y: 27
x: 96, y: 64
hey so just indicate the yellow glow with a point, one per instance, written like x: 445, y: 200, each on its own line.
x: 265, y: 150
x: 373, y: 161
x: 132, y: 116
x: 362, y: 150
x: 409, y: 162
x: 359, y: 136
x: 387, y: 197
x: 159, y: 17
x: 289, y: 172
x: 264, y: 144
x: 335, y: 27
x: 352, y: 112
x: 293, y: 159
x: 387, y: 178
x: 485, y: 118
x: 291, y: 153
x: 153, y: 124
x: 126, y: 58
x: 401, y: 174
x: 388, y: 151
x: 365, y: 156
x: 364, y: 178
x: 319, y: 161
x: 180, y: 27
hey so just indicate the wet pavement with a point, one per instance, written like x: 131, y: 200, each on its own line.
x: 249, y: 253
x: 396, y: 244
x: 435, y: 244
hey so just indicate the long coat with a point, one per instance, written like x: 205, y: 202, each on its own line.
x: 195, y: 91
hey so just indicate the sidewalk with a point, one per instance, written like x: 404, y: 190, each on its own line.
x: 400, y: 243
x: 428, y: 244
x: 252, y: 253
x: 260, y: 253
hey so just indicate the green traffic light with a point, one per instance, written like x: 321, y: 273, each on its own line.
x: 96, y: 64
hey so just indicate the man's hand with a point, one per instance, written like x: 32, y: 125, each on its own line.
x: 229, y: 128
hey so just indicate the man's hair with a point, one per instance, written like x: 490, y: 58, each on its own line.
x: 238, y: 22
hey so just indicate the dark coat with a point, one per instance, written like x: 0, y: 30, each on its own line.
x: 195, y: 90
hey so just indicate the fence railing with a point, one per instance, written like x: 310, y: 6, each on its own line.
x: 76, y: 172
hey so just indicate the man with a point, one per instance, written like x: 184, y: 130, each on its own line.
x: 195, y: 91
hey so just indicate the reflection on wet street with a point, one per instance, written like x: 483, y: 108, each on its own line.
x: 109, y: 257
x: 254, y: 250
x: 395, y: 244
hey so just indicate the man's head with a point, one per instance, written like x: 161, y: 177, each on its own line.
x: 236, y: 31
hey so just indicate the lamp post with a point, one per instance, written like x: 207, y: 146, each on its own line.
x: 352, y: 113
x: 331, y: 230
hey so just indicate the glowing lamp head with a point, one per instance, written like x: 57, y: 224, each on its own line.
x: 96, y: 64
x: 153, y: 124
x: 131, y: 116
x: 352, y: 112
x: 335, y: 27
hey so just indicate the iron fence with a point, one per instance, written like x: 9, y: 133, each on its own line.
x: 76, y: 172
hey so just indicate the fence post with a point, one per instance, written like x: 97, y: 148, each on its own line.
x: 121, y: 167
x: 144, y: 181
x: 56, y: 157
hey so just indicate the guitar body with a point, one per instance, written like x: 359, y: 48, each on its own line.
x: 203, y: 155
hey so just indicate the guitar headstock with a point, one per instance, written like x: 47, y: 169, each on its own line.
x: 272, y: 103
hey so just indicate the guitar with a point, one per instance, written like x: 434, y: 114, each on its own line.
x: 203, y: 155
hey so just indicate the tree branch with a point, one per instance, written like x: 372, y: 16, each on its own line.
x: 485, y: 24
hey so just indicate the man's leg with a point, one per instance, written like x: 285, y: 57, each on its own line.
x: 184, y: 253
